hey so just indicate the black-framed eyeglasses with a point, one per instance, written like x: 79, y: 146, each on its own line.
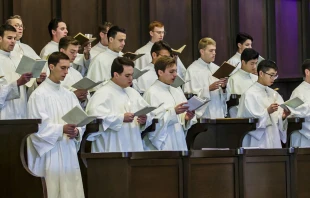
x: 17, y: 26
x: 160, y: 32
x: 274, y: 76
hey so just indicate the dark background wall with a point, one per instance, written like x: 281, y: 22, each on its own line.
x: 280, y: 27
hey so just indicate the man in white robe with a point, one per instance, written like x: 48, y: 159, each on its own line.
x: 204, y: 85
x: 244, y: 78
x: 301, y: 138
x: 102, y: 45
x: 21, y: 48
x: 57, y: 30
x: 52, y: 151
x: 173, y: 116
x: 15, y: 106
x: 115, y: 103
x: 70, y: 46
x: 143, y: 83
x: 100, y: 66
x: 262, y: 102
x: 157, y: 33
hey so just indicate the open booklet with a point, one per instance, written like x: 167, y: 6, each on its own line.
x: 137, y: 73
x: 178, y: 51
x: 86, y: 83
x: 293, y: 103
x: 146, y: 110
x: 78, y: 116
x: 224, y: 71
x: 195, y: 102
x: 132, y: 56
x: 29, y: 65
x: 178, y: 81
x: 83, y: 39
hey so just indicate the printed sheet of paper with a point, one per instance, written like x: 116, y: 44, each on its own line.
x: 86, y: 83
x: 78, y: 116
x: 29, y: 65
x: 146, y: 110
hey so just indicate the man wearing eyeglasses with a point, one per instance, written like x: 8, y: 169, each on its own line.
x: 244, y: 78
x: 157, y: 33
x: 102, y: 45
x: 262, y: 102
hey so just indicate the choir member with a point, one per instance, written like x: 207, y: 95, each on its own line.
x: 102, y: 45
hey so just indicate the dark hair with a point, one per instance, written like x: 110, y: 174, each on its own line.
x: 305, y: 65
x: 113, y: 31
x: 242, y: 37
x: 55, y: 57
x: 160, y: 45
x: 164, y: 62
x: 249, y: 54
x: 118, y: 63
x: 64, y: 42
x: 6, y: 27
x: 265, y: 65
x: 103, y: 27
x: 53, y: 25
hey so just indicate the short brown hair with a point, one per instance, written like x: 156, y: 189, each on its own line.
x: 155, y: 24
x: 163, y: 63
x: 204, y: 42
x: 64, y: 42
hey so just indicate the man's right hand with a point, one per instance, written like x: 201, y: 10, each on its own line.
x: 24, y: 79
x: 128, y: 117
x: 272, y: 108
x: 215, y: 85
x: 81, y: 94
x: 69, y: 129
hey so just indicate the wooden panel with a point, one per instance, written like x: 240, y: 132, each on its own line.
x: 252, y: 20
x: 177, y: 18
x: 81, y: 16
x: 218, y: 29
x: 36, y: 15
x: 288, y: 40
x: 126, y: 14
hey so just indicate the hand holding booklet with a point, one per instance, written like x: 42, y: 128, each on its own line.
x: 83, y: 39
x: 137, y: 73
x: 178, y: 81
x: 146, y: 110
x: 195, y: 102
x: 29, y: 65
x: 293, y: 103
x: 86, y: 83
x: 77, y: 116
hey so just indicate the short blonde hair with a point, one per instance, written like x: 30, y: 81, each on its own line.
x: 204, y: 42
x: 155, y: 24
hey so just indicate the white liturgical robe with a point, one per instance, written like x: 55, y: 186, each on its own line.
x: 200, y: 75
x: 49, y: 48
x: 143, y: 61
x: 97, y: 49
x: 301, y: 138
x: 145, y: 81
x: 171, y: 128
x: 24, y: 49
x: 50, y: 152
x: 235, y: 60
x: 7, y: 92
x: 110, y: 103
x: 238, y: 83
x: 100, y: 67
x: 270, y: 129
x: 15, y: 108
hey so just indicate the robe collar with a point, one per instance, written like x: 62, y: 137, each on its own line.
x: 54, y: 43
x: 202, y: 62
x: 116, y: 54
x: 244, y: 73
x: 4, y: 53
x: 161, y: 84
x: 306, y: 84
x: 55, y: 86
x: 238, y: 54
x: 99, y: 44
x: 115, y: 86
x: 260, y: 86
x: 150, y: 43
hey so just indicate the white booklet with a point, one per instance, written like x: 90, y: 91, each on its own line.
x: 178, y: 81
x: 29, y: 65
x: 137, y: 73
x: 78, y: 116
x: 293, y: 103
x: 146, y: 110
x: 86, y: 83
x: 195, y: 102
